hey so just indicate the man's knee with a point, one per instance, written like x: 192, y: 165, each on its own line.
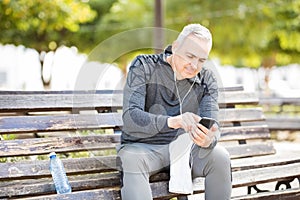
x: 220, y: 156
x: 220, y: 164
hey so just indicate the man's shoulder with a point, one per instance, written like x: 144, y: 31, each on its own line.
x: 207, y: 72
x: 147, y: 62
x: 207, y: 76
x: 149, y: 58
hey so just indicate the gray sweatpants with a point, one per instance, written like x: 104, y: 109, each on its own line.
x: 139, y: 161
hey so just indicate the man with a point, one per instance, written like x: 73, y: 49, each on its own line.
x: 165, y: 97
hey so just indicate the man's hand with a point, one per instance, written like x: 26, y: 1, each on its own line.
x: 202, y: 136
x: 187, y: 121
x: 190, y: 123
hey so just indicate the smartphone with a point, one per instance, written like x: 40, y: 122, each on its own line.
x: 207, y: 122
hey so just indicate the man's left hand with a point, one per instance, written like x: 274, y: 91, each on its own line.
x: 202, y: 136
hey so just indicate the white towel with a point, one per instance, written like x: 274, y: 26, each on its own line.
x: 180, y: 170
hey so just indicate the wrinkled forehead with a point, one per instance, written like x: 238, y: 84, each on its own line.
x: 192, y: 44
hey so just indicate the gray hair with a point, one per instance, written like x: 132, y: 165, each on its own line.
x: 198, y: 30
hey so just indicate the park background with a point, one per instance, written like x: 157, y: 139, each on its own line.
x: 44, y: 44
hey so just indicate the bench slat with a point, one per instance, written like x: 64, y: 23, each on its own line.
x: 46, y: 185
x: 279, y: 158
x: 241, y: 115
x: 39, y: 146
x: 82, y: 182
x: 98, y: 100
x: 279, y: 101
x: 247, y: 150
x: 60, y: 101
x: 263, y: 175
x: 244, y: 133
x: 14, y: 92
x: 72, y: 122
x: 159, y: 191
x: 96, y: 194
x: 40, y: 168
x: 227, y: 99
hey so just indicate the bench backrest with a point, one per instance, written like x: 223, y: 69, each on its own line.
x: 66, y: 122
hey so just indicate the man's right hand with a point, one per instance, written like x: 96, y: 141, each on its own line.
x: 187, y: 121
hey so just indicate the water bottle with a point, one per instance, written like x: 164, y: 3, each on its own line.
x: 59, y: 176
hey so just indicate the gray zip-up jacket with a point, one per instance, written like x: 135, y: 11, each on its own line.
x: 150, y: 97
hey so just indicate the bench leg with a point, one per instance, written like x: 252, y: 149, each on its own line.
x: 255, y: 188
x: 287, y: 183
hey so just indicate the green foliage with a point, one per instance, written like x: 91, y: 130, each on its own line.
x: 42, y: 24
x: 245, y: 33
x: 286, y: 110
x: 128, y: 14
x: 124, y: 15
x: 13, y: 159
x: 90, y: 33
x: 9, y: 136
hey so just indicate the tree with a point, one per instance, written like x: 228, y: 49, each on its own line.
x: 246, y: 33
x: 89, y: 33
x: 42, y: 24
x: 123, y: 32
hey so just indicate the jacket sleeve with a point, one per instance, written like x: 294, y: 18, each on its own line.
x: 137, y: 122
x: 209, y: 106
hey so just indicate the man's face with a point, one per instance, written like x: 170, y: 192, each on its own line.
x: 189, y: 56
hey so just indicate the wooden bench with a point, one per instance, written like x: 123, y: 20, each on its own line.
x: 83, y: 128
x: 282, y: 113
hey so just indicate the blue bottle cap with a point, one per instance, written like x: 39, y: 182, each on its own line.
x: 52, y: 154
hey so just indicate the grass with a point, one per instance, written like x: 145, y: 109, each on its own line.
x: 285, y: 110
